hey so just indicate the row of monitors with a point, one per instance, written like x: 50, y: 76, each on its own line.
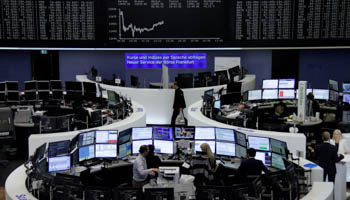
x: 42, y: 85
x: 278, y: 84
x: 321, y: 94
x: 9, y: 86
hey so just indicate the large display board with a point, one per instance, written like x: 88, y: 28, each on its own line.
x: 174, y: 23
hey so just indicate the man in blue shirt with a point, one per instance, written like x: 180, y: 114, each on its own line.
x: 140, y: 171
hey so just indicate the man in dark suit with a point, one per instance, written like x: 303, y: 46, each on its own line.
x: 251, y: 166
x: 179, y: 103
x: 327, y: 157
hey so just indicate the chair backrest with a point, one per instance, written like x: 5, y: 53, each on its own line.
x: 159, y: 193
x: 6, y: 119
x: 127, y: 193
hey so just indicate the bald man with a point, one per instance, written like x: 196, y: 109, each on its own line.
x: 327, y: 157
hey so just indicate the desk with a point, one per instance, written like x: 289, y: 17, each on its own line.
x: 340, y: 182
x: 306, y: 123
x: 320, y: 191
x: 159, y: 102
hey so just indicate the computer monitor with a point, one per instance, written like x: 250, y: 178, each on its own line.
x: 259, y: 143
x: 124, y: 136
x: 204, y: 75
x: 265, y: 157
x: 59, y: 148
x: 346, y: 98
x: 321, y: 94
x: 104, y: 136
x: 197, y: 145
x: 12, y: 85
x: 333, y: 85
x: 142, y: 133
x: 13, y: 96
x: 278, y: 146
x: 234, y: 72
x: 346, y: 116
x: 184, y: 132
x: 124, y: 150
x: 209, y: 92
x: 39, y: 153
x: 234, y: 87
x: 86, y: 153
x: 74, y: 86
x: 217, y: 104
x: 60, y: 163
x: 346, y: 87
x: 241, y: 152
x: 138, y: 143
x: 2, y: 86
x: 56, y: 85
x: 30, y: 85
x: 30, y: 96
x: 225, y: 134
x: 204, y: 133
x: 254, y: 95
x: 333, y: 96
x: 162, y: 133
x: 278, y: 162
x: 225, y: 149
x: 223, y: 74
x: 270, y: 94
x: 270, y: 84
x: 163, y: 146
x: 112, y: 98
x: 286, y: 94
x: 286, y: 83
x: 185, y: 80
x: 106, y: 150
x: 241, y: 139
x: 307, y: 92
x: 86, y: 138
x: 43, y: 85
x: 89, y: 87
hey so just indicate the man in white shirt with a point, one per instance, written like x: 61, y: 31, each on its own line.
x: 140, y: 171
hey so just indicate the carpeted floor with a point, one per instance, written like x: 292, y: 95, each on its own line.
x: 2, y: 193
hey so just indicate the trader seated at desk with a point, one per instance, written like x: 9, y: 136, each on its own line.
x: 279, y: 113
x: 236, y: 113
x: 140, y: 170
x: 251, y: 166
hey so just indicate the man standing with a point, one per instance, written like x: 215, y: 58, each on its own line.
x: 327, y: 157
x: 140, y: 171
x: 179, y: 103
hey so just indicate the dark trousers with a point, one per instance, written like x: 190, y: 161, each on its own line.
x: 138, y: 184
x: 176, y: 112
x: 331, y: 176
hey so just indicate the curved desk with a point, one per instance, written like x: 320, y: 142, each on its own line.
x: 295, y: 142
x: 137, y: 118
x: 320, y: 190
x: 159, y: 102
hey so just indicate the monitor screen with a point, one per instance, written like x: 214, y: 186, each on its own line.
x: 270, y: 84
x: 74, y: 86
x: 225, y: 134
x: 86, y: 138
x: 333, y: 85
x: 209, y: 92
x: 286, y: 94
x: 265, y: 157
x: 205, y: 133
x: 270, y: 94
x: 346, y: 98
x: 286, y: 83
x: 138, y: 143
x: 259, y: 143
x: 12, y: 85
x: 89, y: 87
x: 278, y: 146
x: 59, y: 148
x: 43, y: 85
x: 241, y: 139
x: 30, y: 85
x: 2, y: 87
x: 254, y: 95
x: 241, y: 152
x: 197, y: 145
x: 162, y: 133
x: 277, y: 161
x: 60, y: 163
x: 184, y: 132
x: 56, y: 85
x: 86, y: 152
x: 106, y: 136
x: 321, y: 94
x: 142, y: 133
x: 124, y: 149
x: 124, y: 136
x: 12, y: 96
x: 307, y: 92
x: 111, y: 98
x: 106, y: 150
x: 333, y: 96
x: 217, y: 104
x: 162, y: 146
x: 225, y: 149
x: 40, y: 152
x: 346, y: 87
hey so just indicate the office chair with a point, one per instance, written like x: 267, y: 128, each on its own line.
x: 6, y: 130
x: 127, y: 193
x: 159, y: 193
x: 98, y: 193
